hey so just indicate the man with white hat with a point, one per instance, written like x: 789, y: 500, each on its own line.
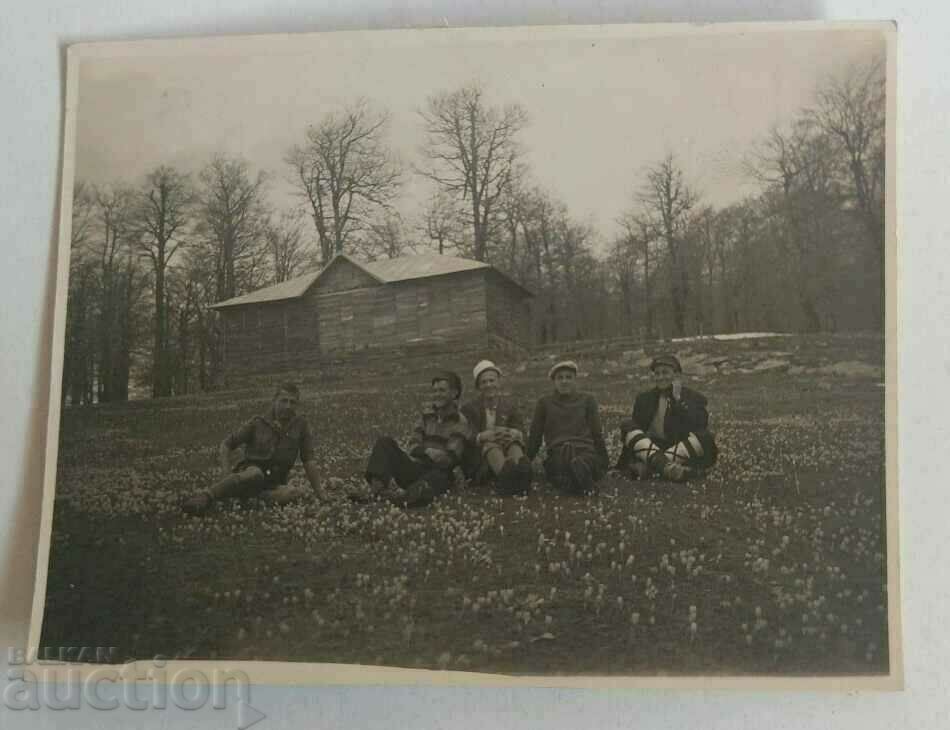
x: 668, y: 433
x: 498, y: 450
x: 568, y: 422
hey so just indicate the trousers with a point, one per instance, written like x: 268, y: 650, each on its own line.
x: 557, y: 464
x: 388, y: 461
x: 697, y: 449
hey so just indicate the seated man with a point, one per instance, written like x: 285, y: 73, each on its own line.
x: 667, y: 435
x: 271, y: 444
x: 435, y: 449
x: 569, y: 424
x: 498, y: 450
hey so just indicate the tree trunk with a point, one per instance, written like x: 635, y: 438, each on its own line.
x: 479, y: 234
x: 78, y: 355
x: 326, y: 249
x: 677, y: 295
x: 230, y: 288
x: 106, y: 344
x: 647, y: 293
x: 159, y: 358
x: 625, y: 296
x: 684, y: 292
x: 183, y: 369
x: 123, y: 363
x: 812, y: 320
x: 124, y: 367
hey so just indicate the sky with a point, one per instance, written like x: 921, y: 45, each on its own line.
x: 602, y: 104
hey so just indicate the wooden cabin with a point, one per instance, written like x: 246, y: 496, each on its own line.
x: 362, y: 307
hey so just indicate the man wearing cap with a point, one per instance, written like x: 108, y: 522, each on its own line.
x: 498, y: 448
x: 568, y: 422
x: 436, y: 447
x: 668, y: 433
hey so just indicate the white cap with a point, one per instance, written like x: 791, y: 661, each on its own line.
x: 482, y: 367
x: 568, y: 364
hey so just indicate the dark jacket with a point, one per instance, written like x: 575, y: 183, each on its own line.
x: 448, y: 431
x: 507, y: 415
x: 685, y: 416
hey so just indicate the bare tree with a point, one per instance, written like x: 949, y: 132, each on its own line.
x: 515, y: 208
x: 640, y: 242
x: 717, y: 235
x: 384, y: 238
x: 540, y: 218
x: 345, y: 173
x: 196, y: 288
x: 666, y: 201
x: 800, y: 169
x: 84, y: 200
x: 440, y: 221
x: 287, y: 245
x: 106, y: 286
x: 622, y: 264
x: 163, y: 207
x: 232, y: 220
x: 851, y: 108
x: 119, y: 283
x: 472, y: 150
x: 79, y: 355
x: 580, y: 278
x: 551, y: 254
x: 189, y: 318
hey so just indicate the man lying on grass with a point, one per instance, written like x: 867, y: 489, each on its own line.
x: 271, y: 444
x: 569, y: 424
x: 667, y: 435
x: 498, y: 450
x: 435, y: 449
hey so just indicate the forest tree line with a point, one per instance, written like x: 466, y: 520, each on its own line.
x: 804, y: 253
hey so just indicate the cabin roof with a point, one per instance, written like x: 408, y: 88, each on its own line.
x: 385, y: 271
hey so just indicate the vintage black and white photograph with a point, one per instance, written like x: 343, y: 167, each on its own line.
x: 552, y: 352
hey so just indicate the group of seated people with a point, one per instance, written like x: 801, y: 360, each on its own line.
x: 666, y: 437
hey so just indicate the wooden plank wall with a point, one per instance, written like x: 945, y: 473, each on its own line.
x: 438, y: 308
x: 350, y: 319
x: 508, y: 310
x: 270, y: 336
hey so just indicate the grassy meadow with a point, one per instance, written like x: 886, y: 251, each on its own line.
x: 773, y: 563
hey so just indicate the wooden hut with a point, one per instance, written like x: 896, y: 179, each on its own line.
x: 356, y: 307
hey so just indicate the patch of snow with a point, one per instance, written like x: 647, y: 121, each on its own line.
x: 733, y: 336
x: 697, y: 365
x: 851, y: 368
x: 771, y: 364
